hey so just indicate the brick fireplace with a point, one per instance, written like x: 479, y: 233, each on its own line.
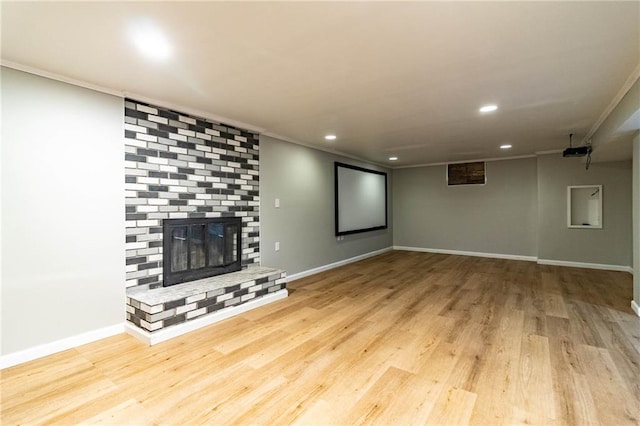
x: 178, y: 166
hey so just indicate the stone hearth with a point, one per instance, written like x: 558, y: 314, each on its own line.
x: 154, y: 311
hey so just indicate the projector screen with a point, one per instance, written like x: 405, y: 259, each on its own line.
x: 361, y: 199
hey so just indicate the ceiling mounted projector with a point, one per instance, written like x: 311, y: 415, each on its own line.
x: 580, y: 151
x: 576, y: 152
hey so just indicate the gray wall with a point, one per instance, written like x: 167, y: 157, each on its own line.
x: 303, y: 179
x: 62, y: 211
x: 610, y: 245
x: 499, y: 217
x: 636, y: 218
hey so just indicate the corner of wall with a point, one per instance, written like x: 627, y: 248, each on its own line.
x: 636, y: 220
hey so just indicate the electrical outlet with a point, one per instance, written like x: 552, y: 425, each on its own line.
x: 277, y: 245
x: 277, y: 203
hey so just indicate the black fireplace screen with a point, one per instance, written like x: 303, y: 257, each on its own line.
x: 200, y: 248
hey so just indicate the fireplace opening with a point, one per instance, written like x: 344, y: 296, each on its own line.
x: 199, y: 248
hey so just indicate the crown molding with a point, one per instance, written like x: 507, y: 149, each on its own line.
x: 628, y: 84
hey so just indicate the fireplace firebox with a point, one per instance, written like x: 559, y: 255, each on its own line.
x: 199, y: 248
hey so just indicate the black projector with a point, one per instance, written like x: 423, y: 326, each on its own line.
x: 580, y: 151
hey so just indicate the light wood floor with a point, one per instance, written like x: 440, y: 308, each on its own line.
x: 402, y: 338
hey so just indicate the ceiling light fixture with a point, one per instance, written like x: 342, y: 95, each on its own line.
x: 488, y: 108
x: 330, y: 137
x: 393, y: 158
x: 150, y: 41
x: 505, y: 146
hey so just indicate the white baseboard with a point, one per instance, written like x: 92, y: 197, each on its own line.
x: 151, y: 338
x: 40, y: 351
x: 602, y: 266
x: 468, y: 253
x: 323, y: 268
x: 635, y: 307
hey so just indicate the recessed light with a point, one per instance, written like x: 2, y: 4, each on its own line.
x: 488, y: 108
x: 150, y: 41
x: 505, y: 146
x: 393, y: 158
x: 330, y: 137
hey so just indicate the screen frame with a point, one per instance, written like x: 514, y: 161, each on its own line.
x: 339, y: 233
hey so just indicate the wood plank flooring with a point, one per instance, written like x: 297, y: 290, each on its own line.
x: 402, y: 338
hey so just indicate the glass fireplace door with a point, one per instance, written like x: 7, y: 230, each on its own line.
x: 199, y: 248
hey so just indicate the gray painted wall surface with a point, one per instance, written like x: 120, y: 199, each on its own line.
x: 610, y: 245
x: 303, y: 179
x: 63, y: 228
x: 636, y: 218
x: 499, y: 217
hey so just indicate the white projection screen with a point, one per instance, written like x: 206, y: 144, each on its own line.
x: 361, y: 199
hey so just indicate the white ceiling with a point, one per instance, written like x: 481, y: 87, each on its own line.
x: 388, y: 78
